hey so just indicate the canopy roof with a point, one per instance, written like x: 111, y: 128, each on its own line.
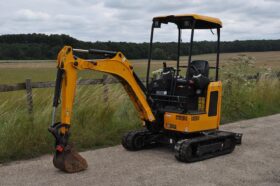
x: 184, y: 21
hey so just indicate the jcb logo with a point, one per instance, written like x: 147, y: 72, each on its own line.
x: 195, y: 118
x: 179, y: 117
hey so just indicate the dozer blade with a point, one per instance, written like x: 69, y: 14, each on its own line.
x: 69, y: 160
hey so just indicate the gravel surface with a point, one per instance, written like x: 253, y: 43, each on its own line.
x: 255, y: 162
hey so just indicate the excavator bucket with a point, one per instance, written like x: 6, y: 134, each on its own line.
x: 69, y: 160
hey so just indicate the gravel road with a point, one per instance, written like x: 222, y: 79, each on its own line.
x: 255, y: 162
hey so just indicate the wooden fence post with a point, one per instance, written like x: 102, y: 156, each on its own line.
x: 29, y: 98
x: 105, y: 90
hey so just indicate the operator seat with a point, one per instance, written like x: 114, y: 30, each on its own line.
x: 199, y: 74
x: 198, y: 80
x: 199, y: 67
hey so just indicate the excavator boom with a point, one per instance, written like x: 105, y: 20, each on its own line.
x: 117, y: 66
x: 68, y: 65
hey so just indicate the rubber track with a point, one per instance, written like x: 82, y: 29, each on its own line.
x: 185, y: 149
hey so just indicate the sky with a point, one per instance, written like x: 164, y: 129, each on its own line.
x: 130, y: 20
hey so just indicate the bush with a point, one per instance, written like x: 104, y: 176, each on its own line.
x: 248, y: 91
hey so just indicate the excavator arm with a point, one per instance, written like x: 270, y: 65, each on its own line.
x: 66, y: 158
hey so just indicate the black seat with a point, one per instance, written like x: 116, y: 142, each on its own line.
x: 199, y: 75
x: 199, y: 67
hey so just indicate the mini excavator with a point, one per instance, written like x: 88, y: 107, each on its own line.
x: 182, y: 110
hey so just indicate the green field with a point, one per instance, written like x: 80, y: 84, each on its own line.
x: 40, y: 70
x: 98, y: 124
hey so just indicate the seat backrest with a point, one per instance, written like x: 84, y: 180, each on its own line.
x: 201, y: 66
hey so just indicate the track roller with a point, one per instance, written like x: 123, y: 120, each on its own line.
x: 209, y: 145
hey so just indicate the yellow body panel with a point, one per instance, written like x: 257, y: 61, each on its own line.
x: 196, y: 122
x: 198, y: 17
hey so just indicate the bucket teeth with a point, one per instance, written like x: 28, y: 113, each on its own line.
x: 69, y: 160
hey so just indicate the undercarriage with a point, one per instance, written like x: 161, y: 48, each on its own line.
x: 187, y: 147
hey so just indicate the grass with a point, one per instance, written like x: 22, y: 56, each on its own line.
x: 245, y: 97
x: 95, y: 124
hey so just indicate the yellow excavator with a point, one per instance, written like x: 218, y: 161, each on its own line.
x: 182, y: 110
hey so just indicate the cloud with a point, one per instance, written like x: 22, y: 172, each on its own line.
x: 29, y: 15
x: 126, y: 20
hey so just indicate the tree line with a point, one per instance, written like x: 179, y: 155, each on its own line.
x: 41, y: 46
